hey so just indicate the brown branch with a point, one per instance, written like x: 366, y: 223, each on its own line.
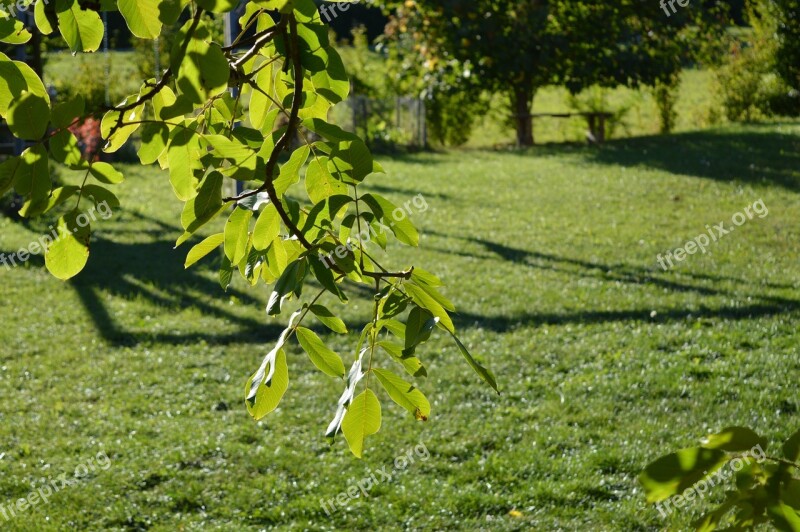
x: 381, y: 275
x: 283, y: 142
x: 262, y: 40
x: 165, y: 78
x: 293, y: 52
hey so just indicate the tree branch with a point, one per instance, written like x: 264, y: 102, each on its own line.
x: 165, y: 78
x: 283, y: 142
x: 293, y: 52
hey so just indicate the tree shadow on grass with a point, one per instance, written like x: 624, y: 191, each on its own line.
x: 758, y: 305
x: 502, y: 324
x: 758, y: 155
x: 154, y: 271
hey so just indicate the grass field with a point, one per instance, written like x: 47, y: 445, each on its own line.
x: 605, y: 361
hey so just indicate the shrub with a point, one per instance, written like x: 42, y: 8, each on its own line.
x: 451, y: 117
x: 89, y: 80
x: 90, y: 140
x: 666, y: 96
x: 739, y: 83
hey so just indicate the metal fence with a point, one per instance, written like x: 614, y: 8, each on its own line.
x: 399, y: 121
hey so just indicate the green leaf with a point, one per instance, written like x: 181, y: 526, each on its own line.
x: 29, y: 116
x: 266, y: 387
x: 394, y: 303
x: 225, y: 273
x: 326, y: 360
x: 324, y: 275
x: 142, y: 17
x: 320, y: 184
x: 16, y: 80
x: 43, y: 21
x: 202, y: 68
x: 118, y: 127
x: 290, y: 172
x: 422, y: 277
x: 791, y: 447
x: 331, y: 132
x: 82, y: 29
x: 236, y: 234
x: 329, y: 319
x: 32, y: 176
x: 243, y: 159
x: 394, y: 217
x: 65, y: 113
x: 270, y: 392
x: 711, y: 520
x: 60, y: 195
x: 362, y: 419
x: 425, y: 301
x: 783, y: 516
x: 170, y: 11
x: 260, y: 104
x: 64, y: 148
x: 354, y: 376
x: 105, y: 173
x: 289, y: 281
x: 218, y: 6
x: 482, y: 372
x: 418, y: 329
x: 332, y: 83
x: 734, y: 440
x: 202, y: 249
x: 8, y: 171
x: 438, y: 297
x: 183, y: 154
x: 100, y: 195
x: 351, y: 160
x: 163, y: 99
x: 404, y: 394
x: 208, y: 201
x: 268, y: 227
x: 411, y: 364
x: 67, y: 255
x: 154, y: 142
x: 675, y: 472
x: 12, y: 31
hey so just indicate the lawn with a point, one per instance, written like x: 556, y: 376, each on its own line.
x: 605, y: 361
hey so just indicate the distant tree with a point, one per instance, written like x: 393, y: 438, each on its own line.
x: 787, y: 55
x: 519, y: 46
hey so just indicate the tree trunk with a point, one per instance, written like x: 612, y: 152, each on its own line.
x: 522, y: 105
x: 35, y: 58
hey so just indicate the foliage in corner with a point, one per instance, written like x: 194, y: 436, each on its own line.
x: 196, y: 128
x: 766, y: 488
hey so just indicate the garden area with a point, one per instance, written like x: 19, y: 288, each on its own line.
x: 625, y: 298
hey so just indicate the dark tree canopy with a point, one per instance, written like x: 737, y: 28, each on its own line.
x: 518, y: 46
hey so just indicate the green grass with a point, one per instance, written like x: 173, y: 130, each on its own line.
x: 604, y: 360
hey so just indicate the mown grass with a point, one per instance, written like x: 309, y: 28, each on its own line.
x: 605, y: 361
